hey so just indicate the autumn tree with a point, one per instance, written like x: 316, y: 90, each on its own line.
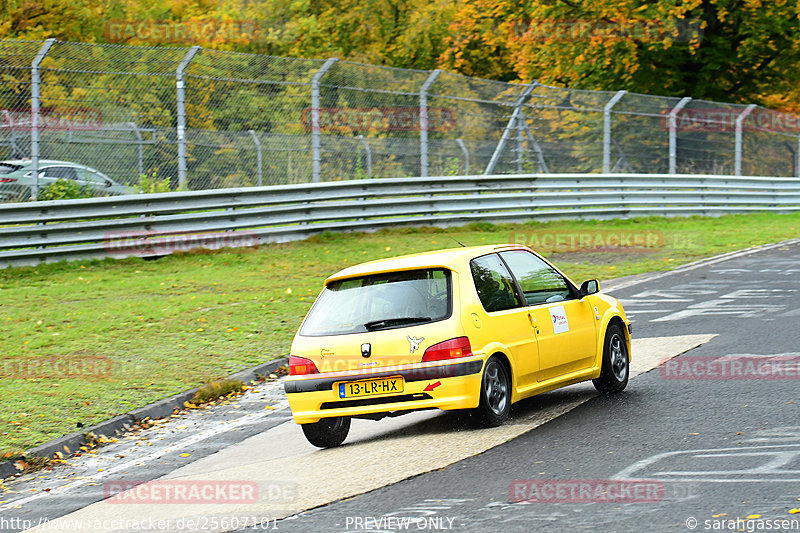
x: 738, y: 50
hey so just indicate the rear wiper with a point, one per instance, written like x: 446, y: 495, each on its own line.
x: 389, y: 322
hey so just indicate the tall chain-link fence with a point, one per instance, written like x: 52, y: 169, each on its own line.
x: 120, y: 119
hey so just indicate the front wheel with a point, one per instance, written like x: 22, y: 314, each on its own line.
x: 614, y: 372
x: 495, y: 402
x: 328, y: 432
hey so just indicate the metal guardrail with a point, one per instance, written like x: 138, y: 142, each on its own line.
x: 158, y: 224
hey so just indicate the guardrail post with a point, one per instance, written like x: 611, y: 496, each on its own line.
x: 673, y: 130
x: 182, y: 114
x: 368, y: 152
x: 607, y: 130
x: 737, y: 160
x: 35, y: 105
x: 315, y: 160
x: 512, y: 123
x: 257, y: 142
x: 423, y: 122
x: 138, y: 134
x: 466, y: 154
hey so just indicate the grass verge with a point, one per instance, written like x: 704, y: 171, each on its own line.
x: 85, y: 341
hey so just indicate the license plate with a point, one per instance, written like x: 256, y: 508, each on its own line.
x: 354, y: 389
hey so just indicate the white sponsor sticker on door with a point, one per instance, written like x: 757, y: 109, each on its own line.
x: 559, y: 318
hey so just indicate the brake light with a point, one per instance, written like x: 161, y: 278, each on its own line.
x: 300, y: 366
x: 452, y: 349
x: 8, y: 180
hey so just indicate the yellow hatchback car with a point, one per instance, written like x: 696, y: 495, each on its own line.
x: 474, y: 328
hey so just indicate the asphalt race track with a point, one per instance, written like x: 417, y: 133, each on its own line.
x: 693, y: 444
x: 722, y: 448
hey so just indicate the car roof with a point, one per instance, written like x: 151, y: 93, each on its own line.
x: 41, y: 162
x: 448, y: 258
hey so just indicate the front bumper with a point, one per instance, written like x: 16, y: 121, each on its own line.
x: 452, y: 385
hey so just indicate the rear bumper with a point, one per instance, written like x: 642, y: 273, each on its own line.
x: 454, y: 385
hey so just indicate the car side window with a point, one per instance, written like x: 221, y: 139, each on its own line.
x: 93, y: 177
x: 494, y: 284
x: 540, y: 283
x: 67, y: 173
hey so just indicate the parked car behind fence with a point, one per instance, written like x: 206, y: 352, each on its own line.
x: 17, y: 179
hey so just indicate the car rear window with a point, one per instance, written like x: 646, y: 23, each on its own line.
x: 381, y: 301
x: 7, y: 168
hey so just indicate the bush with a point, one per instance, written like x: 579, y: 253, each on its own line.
x: 149, y: 183
x: 63, y: 189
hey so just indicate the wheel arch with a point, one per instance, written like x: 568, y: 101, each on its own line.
x: 504, y: 360
x: 617, y: 320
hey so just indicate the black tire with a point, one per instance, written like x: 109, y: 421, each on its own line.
x: 616, y: 363
x: 495, y: 402
x: 328, y: 432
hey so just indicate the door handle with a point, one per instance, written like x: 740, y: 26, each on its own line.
x: 532, y: 320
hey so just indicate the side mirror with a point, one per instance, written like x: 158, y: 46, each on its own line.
x: 589, y: 287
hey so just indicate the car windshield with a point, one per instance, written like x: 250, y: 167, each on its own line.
x: 380, y: 301
x: 7, y: 168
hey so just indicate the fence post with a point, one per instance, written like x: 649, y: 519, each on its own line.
x: 673, y: 131
x: 466, y: 154
x: 182, y: 114
x: 737, y: 160
x: 257, y: 142
x: 35, y: 105
x: 512, y: 123
x: 368, y: 152
x: 423, y: 122
x: 607, y: 130
x: 315, y: 160
x: 138, y: 134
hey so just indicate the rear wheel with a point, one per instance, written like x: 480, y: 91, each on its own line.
x: 328, y: 432
x: 614, y: 372
x: 495, y: 402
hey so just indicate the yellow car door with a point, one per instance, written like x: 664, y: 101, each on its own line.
x: 565, y: 324
x: 506, y: 317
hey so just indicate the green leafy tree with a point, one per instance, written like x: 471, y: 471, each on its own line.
x: 739, y: 50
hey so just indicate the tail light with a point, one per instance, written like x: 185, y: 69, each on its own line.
x: 300, y: 366
x: 8, y: 180
x: 452, y: 349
